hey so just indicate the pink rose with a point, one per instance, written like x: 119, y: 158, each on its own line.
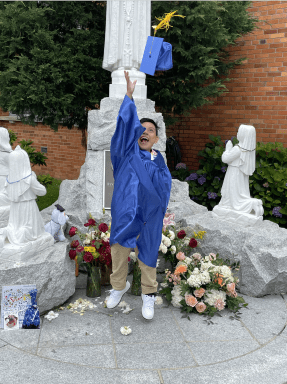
x: 75, y: 244
x: 193, y: 243
x: 72, y: 254
x: 103, y: 227
x: 231, y: 287
x: 200, y: 307
x: 190, y: 300
x: 196, y: 256
x: 219, y: 304
x: 180, y: 256
x: 73, y: 231
x: 199, y: 292
x: 181, y: 234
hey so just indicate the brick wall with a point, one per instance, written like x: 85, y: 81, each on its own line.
x: 65, y: 150
x: 257, y: 94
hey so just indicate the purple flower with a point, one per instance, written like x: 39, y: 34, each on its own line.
x: 201, y: 180
x: 232, y: 137
x: 223, y: 169
x: 286, y: 185
x: 192, y: 176
x: 194, y: 198
x: 180, y: 166
x: 226, y: 141
x: 276, y: 213
x: 216, y: 177
x: 211, y: 195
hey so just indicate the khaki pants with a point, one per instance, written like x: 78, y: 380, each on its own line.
x: 120, y: 270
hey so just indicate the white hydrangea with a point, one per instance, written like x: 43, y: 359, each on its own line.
x: 225, y: 271
x: 187, y: 261
x: 205, y: 277
x: 171, y: 235
x: 206, y: 265
x: 194, y: 281
x: 176, y: 296
x: 173, y: 249
x: 213, y: 296
x: 164, y: 285
x: 164, y: 249
x: 196, y: 271
x: 166, y: 241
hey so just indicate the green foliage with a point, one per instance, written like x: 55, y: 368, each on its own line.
x: 268, y: 182
x: 51, y: 60
x: 13, y: 136
x: 51, y: 195
x: 36, y: 158
x: 45, y: 180
x: 201, y: 61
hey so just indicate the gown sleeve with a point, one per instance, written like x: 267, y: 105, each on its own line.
x: 37, y: 187
x: 127, y: 133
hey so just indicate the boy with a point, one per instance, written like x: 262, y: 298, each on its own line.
x: 141, y: 194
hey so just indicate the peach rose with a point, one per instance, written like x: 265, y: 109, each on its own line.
x: 231, y: 287
x: 219, y: 304
x: 199, y: 292
x: 190, y: 300
x: 200, y: 307
x: 180, y: 256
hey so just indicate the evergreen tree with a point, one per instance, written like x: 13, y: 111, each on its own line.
x: 51, y: 57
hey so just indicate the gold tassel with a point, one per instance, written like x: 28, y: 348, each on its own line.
x: 164, y: 22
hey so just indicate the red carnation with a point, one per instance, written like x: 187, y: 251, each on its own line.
x: 73, y: 231
x: 88, y: 257
x: 72, y: 254
x: 90, y: 223
x: 79, y: 249
x: 193, y: 243
x: 181, y: 234
x: 103, y: 227
x: 75, y: 244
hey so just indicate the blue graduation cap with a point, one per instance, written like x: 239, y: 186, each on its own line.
x: 157, y: 56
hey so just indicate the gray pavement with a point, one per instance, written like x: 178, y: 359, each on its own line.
x: 89, y: 348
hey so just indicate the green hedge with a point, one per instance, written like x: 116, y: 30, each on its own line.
x: 268, y: 182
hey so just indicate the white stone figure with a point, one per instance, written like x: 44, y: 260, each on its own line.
x: 22, y: 187
x: 5, y: 150
x: 128, y: 24
x: 58, y: 218
x: 236, y: 203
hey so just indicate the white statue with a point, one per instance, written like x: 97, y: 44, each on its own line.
x: 58, y: 218
x: 236, y: 203
x: 22, y: 187
x: 5, y: 150
x: 128, y: 24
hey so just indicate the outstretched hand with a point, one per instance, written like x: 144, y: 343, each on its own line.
x: 130, y: 85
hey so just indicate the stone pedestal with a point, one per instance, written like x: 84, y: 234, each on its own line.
x: 118, y: 88
x: 50, y: 269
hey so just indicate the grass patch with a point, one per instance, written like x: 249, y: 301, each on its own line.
x: 51, y: 195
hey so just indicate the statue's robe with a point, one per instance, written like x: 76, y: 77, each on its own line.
x: 141, y: 188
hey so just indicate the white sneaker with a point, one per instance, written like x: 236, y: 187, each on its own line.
x: 148, y: 306
x: 115, y: 296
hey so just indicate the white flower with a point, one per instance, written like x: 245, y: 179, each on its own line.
x: 196, y: 271
x: 103, y: 235
x: 171, y: 235
x: 158, y: 300
x: 173, y: 249
x: 133, y: 256
x: 206, y: 258
x: 126, y: 330
x: 225, y: 271
x: 187, y: 260
x: 128, y: 309
x: 213, y: 296
x: 123, y: 304
x: 51, y: 316
x: 206, y: 265
x: 87, y: 241
x: 164, y: 249
x: 164, y: 285
x: 194, y: 281
x: 176, y: 296
x: 205, y: 277
x: 167, y: 242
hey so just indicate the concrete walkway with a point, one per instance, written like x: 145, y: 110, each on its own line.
x: 89, y: 348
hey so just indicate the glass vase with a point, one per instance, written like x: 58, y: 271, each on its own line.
x: 136, y: 284
x: 94, y: 282
x: 106, y: 271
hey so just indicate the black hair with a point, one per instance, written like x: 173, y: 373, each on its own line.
x: 146, y: 120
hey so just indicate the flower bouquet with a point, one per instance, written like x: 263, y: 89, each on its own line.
x: 93, y: 251
x: 203, y: 285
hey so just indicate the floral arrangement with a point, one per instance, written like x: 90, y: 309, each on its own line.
x: 93, y: 249
x: 174, y: 240
x: 203, y: 285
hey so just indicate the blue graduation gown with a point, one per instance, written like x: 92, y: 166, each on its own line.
x: 141, y: 188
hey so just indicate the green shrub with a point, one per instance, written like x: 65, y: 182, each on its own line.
x: 45, y: 179
x: 51, y: 195
x: 268, y: 182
